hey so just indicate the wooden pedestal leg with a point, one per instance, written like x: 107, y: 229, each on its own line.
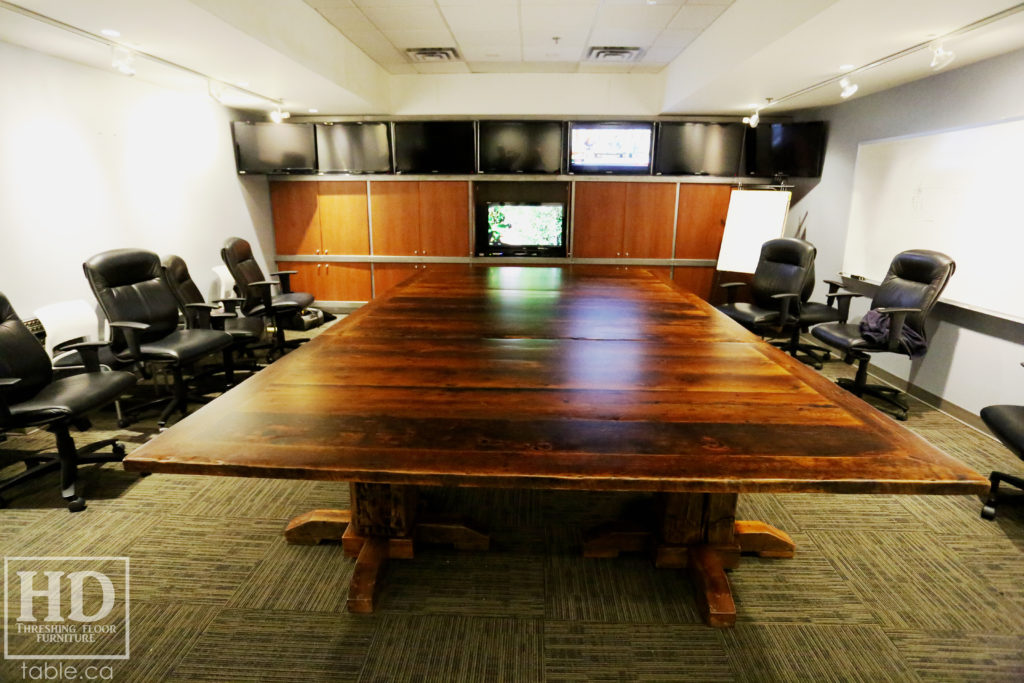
x: 315, y: 526
x: 454, y: 532
x: 764, y: 540
x: 363, y: 587
x: 714, y: 595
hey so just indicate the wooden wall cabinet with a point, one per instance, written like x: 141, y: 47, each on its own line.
x: 315, y: 218
x: 330, y: 281
x: 413, y: 218
x: 624, y: 220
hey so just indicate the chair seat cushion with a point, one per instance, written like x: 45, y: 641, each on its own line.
x: 843, y: 336
x: 749, y: 315
x: 70, y: 397
x: 1007, y: 423
x: 815, y: 313
x: 295, y: 300
x: 185, y: 346
x: 73, y: 359
x: 244, y: 329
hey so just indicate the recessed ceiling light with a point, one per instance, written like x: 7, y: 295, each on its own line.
x: 845, y: 67
x: 313, y: 111
x: 111, y: 33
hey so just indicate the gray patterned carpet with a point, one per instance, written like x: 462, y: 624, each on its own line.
x: 898, y: 588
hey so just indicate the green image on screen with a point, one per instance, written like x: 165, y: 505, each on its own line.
x: 525, y: 224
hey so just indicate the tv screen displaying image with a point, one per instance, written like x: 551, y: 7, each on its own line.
x: 274, y: 147
x: 435, y: 147
x: 610, y: 147
x: 353, y: 147
x: 520, y: 146
x: 792, y: 149
x: 698, y: 148
x: 524, y: 229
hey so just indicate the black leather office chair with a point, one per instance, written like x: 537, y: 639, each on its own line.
x: 778, y: 282
x: 258, y: 294
x: 246, y: 333
x: 143, y: 316
x: 1007, y: 423
x: 815, y: 313
x: 906, y: 296
x: 30, y: 396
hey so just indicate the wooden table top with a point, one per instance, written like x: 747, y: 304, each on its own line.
x: 563, y: 377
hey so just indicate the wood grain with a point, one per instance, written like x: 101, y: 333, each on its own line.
x: 396, y: 217
x: 296, y: 217
x: 444, y: 218
x: 343, y: 219
x: 649, y: 220
x: 573, y: 378
x: 701, y: 220
x: 600, y: 215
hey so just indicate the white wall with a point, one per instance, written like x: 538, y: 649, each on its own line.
x: 974, y: 360
x: 91, y: 160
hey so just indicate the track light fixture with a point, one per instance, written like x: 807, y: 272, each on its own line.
x: 941, y: 57
x: 123, y: 60
x: 277, y: 116
x: 848, y: 88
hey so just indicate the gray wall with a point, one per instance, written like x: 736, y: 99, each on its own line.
x: 974, y: 359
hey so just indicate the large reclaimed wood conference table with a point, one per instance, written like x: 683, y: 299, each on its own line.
x: 580, y: 377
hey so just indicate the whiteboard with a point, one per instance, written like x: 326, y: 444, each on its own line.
x: 754, y: 217
x: 959, y: 192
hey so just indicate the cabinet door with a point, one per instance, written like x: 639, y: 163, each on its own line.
x: 444, y: 218
x: 296, y: 217
x: 650, y: 217
x: 395, y: 209
x: 306, y: 278
x: 600, y: 211
x: 696, y: 279
x: 345, y: 281
x: 387, y: 275
x: 702, y: 210
x: 343, y: 224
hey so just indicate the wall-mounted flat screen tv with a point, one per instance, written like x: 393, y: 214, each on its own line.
x: 522, y: 229
x: 791, y: 149
x: 614, y: 147
x: 521, y: 146
x: 687, y: 148
x: 274, y: 147
x: 435, y: 147
x: 357, y: 147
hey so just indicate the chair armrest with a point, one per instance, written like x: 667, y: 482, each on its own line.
x: 285, y: 276
x: 5, y: 382
x: 897, y: 317
x: 130, y: 330
x: 730, y: 290
x: 89, y: 351
x: 263, y: 289
x: 833, y: 285
x: 197, y: 315
x: 842, y: 300
x: 231, y: 304
x: 786, y: 305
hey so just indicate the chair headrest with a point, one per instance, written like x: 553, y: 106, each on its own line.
x: 789, y: 250
x: 119, y: 267
x: 922, y: 265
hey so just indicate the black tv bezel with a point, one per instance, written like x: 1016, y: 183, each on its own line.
x: 347, y: 124
x: 609, y: 170
x: 482, y: 248
x: 396, y: 141
x: 750, y: 149
x: 659, y: 148
x: 491, y: 169
x: 293, y: 170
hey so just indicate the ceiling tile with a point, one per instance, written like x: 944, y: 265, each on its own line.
x: 635, y: 17
x: 346, y: 18
x: 675, y: 39
x: 575, y: 36
x: 407, y: 39
x: 510, y: 38
x: 321, y: 5
x: 394, y: 3
x: 481, y: 18
x: 406, y: 18
x: 549, y: 53
x: 710, y: 2
x: 491, y: 53
x: 696, y: 16
x: 561, y: 16
x: 623, y: 38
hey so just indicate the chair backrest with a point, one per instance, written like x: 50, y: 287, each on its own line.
x: 21, y: 356
x: 915, y: 279
x: 237, y: 256
x: 781, y: 269
x: 179, y: 281
x: 67, y: 320
x: 129, y: 285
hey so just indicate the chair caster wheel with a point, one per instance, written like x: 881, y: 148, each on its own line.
x: 118, y: 449
x: 123, y: 423
x: 76, y: 504
x: 988, y: 512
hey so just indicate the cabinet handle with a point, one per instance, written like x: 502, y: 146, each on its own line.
x: 318, y: 252
x: 325, y: 251
x: 415, y: 251
x: 618, y: 253
x: 326, y: 266
x: 318, y: 266
x: 424, y: 252
x: 627, y: 253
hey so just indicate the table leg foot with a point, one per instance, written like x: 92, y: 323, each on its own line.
x: 369, y: 565
x: 608, y: 540
x: 455, y: 532
x: 315, y: 526
x: 764, y: 540
x: 714, y: 595
x: 398, y: 548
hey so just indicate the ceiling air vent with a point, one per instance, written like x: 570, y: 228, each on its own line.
x: 433, y: 54
x: 617, y: 55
